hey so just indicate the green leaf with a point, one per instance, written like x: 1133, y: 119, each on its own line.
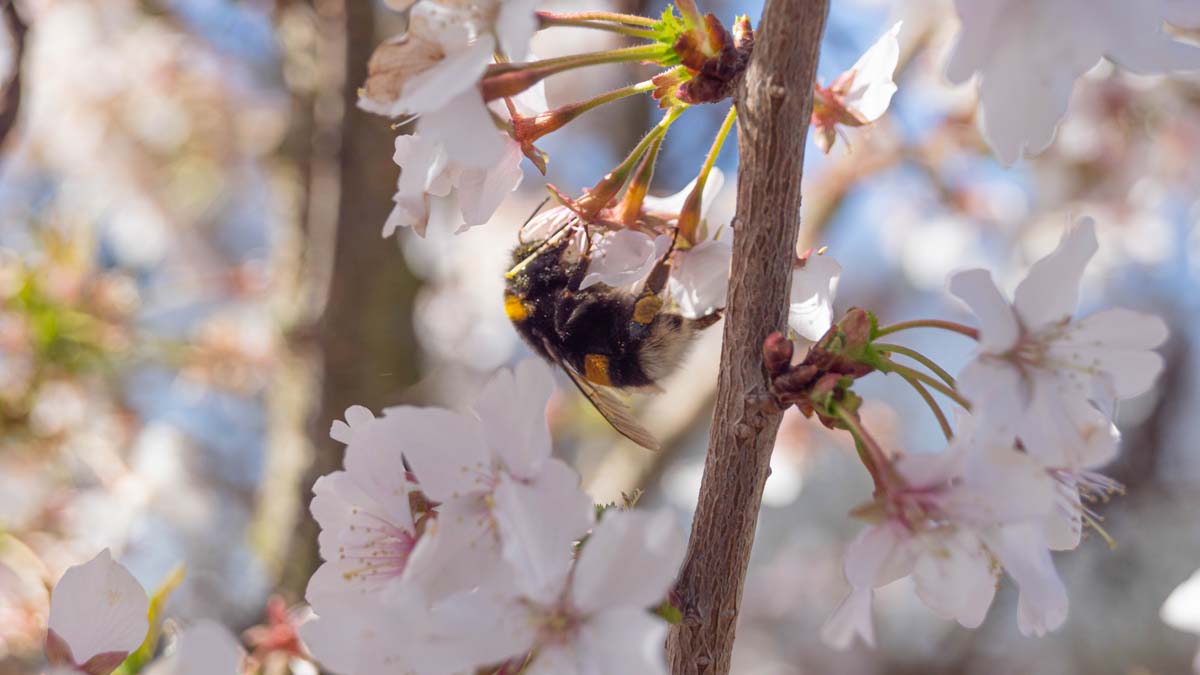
x: 138, y: 660
x: 668, y: 612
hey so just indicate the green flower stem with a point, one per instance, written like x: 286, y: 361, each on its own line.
x: 951, y: 326
x: 555, y: 20
x: 689, y: 218
x: 869, y: 451
x: 615, y: 17
x: 918, y: 357
x: 929, y: 380
x: 650, y: 139
x: 932, y: 403
x: 510, y: 79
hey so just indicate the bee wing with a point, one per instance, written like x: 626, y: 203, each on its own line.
x: 611, y: 408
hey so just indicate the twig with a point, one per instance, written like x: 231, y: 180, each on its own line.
x: 774, y: 106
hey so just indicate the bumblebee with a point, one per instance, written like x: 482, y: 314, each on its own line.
x: 603, y: 337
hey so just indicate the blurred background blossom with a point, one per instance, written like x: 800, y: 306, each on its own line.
x: 193, y: 286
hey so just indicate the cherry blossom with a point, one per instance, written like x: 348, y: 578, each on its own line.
x: 367, y: 526
x: 624, y: 258
x: 1028, y: 55
x: 1050, y: 380
x: 952, y: 521
x: 494, y: 478
x: 97, y: 616
x: 814, y: 285
x: 434, y: 187
x: 860, y: 95
x: 1182, y: 610
x: 590, y: 619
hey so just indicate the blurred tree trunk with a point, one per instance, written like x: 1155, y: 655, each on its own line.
x: 352, y: 339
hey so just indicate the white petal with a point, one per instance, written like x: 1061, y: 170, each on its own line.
x: 465, y: 129
x: 699, y: 281
x: 877, y: 556
x: 374, y: 462
x: 447, y: 451
x: 436, y: 90
x: 671, y: 206
x: 873, y: 88
x: 955, y: 579
x: 1182, y: 608
x: 512, y: 408
x: 998, y: 394
x: 459, y: 551
x: 624, y: 258
x: 814, y: 285
x: 539, y: 520
x: 515, y: 26
x: 1064, y: 526
x: 851, y: 619
x: 208, y: 648
x: 630, y: 560
x: 99, y: 608
x: 998, y: 329
x: 422, y: 165
x: 356, y: 417
x: 1116, y: 343
x: 480, y: 191
x: 1021, y: 549
x: 627, y: 641
x: 1050, y: 291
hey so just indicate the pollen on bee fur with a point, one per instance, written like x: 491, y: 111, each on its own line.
x: 595, y: 369
x: 514, y: 308
x: 646, y: 308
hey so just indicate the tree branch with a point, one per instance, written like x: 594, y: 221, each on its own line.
x: 774, y: 107
x: 10, y: 96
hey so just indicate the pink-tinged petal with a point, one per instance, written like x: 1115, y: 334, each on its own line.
x: 208, y: 648
x: 630, y: 560
x: 465, y: 129
x: 954, y: 578
x: 932, y: 470
x: 851, y: 619
x: 459, y: 551
x: 1181, y: 611
x: 539, y: 520
x: 512, y: 407
x: 374, y: 463
x: 872, y: 89
x: 364, y: 636
x: 1001, y: 485
x: 422, y: 165
x: 627, y: 641
x: 481, y: 190
x: 624, y: 258
x: 1050, y: 291
x: 814, y: 286
x: 1115, y: 344
x: 877, y: 556
x: 408, y: 211
x: 357, y: 418
x: 477, y: 629
x: 699, y: 281
x: 447, y: 451
x: 998, y: 328
x: 99, y: 608
x: 1022, y: 551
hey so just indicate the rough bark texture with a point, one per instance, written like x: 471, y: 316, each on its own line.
x: 774, y: 106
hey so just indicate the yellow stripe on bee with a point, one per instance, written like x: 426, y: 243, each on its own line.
x: 595, y: 369
x: 646, y: 309
x: 514, y: 309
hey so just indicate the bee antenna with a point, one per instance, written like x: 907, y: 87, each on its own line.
x: 536, y: 211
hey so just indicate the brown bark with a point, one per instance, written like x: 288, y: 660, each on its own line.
x: 360, y: 294
x: 10, y: 96
x: 774, y: 106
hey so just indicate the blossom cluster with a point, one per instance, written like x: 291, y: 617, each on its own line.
x: 1019, y: 475
x: 456, y: 541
